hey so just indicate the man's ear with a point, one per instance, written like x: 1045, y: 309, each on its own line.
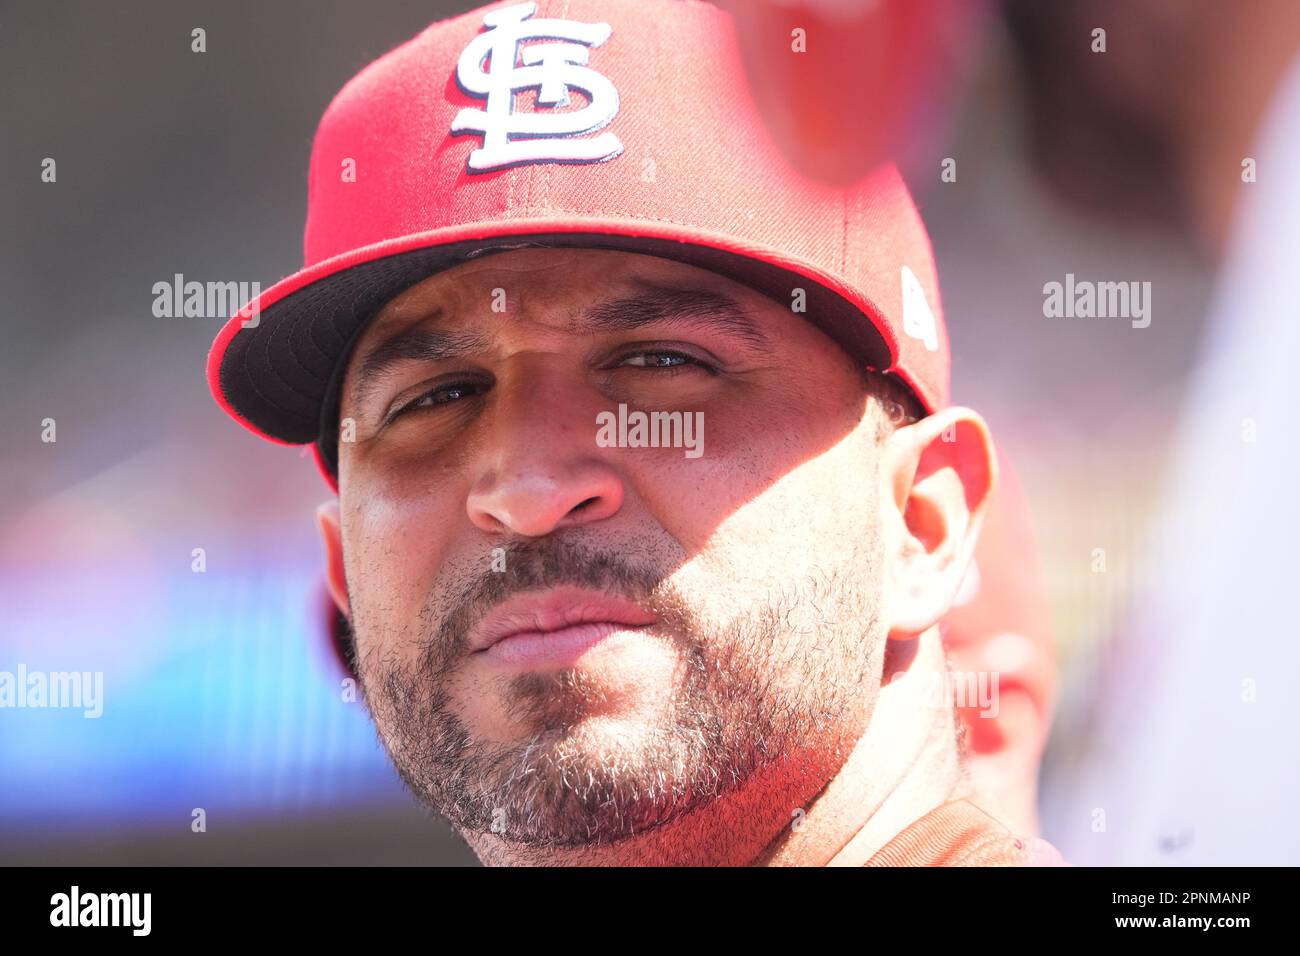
x: 940, y: 474
x: 327, y: 518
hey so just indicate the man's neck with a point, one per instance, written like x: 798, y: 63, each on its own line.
x: 906, y: 764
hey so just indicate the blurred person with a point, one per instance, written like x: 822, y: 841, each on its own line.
x: 577, y: 644
x: 998, y: 635
x: 1192, y: 762
x: 892, y: 65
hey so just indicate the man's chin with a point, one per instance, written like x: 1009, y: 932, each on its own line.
x: 594, y: 790
x: 578, y: 709
x: 597, y: 781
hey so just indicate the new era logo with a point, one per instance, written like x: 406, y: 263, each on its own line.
x: 547, y: 134
x: 918, y: 320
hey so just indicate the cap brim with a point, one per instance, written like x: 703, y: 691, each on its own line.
x: 277, y: 365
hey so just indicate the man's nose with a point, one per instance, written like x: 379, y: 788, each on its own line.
x: 540, y: 466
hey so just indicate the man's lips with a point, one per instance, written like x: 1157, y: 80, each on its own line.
x: 555, y: 625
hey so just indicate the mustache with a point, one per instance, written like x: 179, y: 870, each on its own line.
x: 549, y: 563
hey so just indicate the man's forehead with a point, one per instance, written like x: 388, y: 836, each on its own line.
x: 561, y: 288
x: 511, y: 271
x: 534, y: 277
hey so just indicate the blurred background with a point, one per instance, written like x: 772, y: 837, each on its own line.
x: 221, y: 691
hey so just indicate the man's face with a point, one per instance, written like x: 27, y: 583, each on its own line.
x: 668, y: 623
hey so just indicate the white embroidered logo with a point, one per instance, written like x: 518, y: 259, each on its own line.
x: 918, y: 319
x: 543, y: 136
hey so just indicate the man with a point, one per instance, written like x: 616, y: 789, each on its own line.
x: 650, y: 498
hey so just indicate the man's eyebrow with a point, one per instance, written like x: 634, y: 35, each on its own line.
x: 652, y: 304
x: 419, y: 343
x: 696, y: 306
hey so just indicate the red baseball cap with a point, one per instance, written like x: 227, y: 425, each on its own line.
x: 614, y: 124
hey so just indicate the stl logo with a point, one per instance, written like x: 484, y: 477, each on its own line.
x: 545, y: 136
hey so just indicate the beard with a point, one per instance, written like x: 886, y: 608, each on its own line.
x: 790, y: 680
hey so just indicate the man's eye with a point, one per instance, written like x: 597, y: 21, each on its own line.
x: 662, y: 359
x: 442, y: 395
